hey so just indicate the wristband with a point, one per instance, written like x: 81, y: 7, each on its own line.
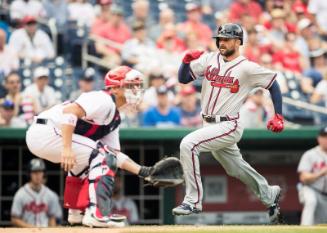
x: 69, y: 119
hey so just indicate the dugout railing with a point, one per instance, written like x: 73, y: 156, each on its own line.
x: 272, y: 154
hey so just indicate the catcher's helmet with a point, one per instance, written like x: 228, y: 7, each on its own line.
x: 36, y: 165
x: 122, y: 75
x: 230, y: 30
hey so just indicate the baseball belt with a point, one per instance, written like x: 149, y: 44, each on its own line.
x: 41, y: 121
x: 217, y: 119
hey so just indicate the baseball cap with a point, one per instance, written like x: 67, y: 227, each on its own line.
x: 138, y: 25
x: 36, y: 165
x: 88, y: 75
x: 7, y: 104
x: 277, y: 13
x: 40, y: 72
x: 317, y: 53
x: 29, y: 19
x: 191, y: 6
x: 188, y: 90
x: 116, y: 10
x: 323, y: 131
x: 162, y: 90
x: 304, y: 23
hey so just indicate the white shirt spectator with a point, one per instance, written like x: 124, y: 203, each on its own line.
x: 319, y: 8
x: 82, y: 12
x: 39, y: 46
x: 8, y: 60
x: 321, y: 89
x: 43, y: 100
x: 150, y: 98
x: 20, y: 8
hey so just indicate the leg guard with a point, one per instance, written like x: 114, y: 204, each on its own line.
x: 101, y: 178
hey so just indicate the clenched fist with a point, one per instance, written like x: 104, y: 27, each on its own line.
x: 192, y: 55
x: 276, y: 124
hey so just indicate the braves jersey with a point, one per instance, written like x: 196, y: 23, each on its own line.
x: 313, y: 161
x: 101, y: 121
x: 36, y: 207
x: 226, y: 85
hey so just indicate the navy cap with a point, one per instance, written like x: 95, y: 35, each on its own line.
x: 36, y: 165
x: 162, y: 90
x: 323, y: 131
x: 88, y: 75
x: 8, y: 104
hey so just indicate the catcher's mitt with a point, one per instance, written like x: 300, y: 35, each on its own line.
x: 168, y: 172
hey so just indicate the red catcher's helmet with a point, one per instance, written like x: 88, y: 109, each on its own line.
x: 122, y: 75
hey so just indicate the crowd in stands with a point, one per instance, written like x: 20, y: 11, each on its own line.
x: 41, y: 43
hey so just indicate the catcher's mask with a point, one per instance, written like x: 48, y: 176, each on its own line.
x: 229, y: 30
x: 129, y: 79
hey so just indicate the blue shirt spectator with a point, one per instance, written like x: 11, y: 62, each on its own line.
x: 163, y: 115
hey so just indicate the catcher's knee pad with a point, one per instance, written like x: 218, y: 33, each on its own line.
x: 110, y: 157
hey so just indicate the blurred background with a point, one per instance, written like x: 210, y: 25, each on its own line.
x: 54, y: 50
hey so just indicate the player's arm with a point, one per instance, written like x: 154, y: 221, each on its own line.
x: 16, y: 221
x: 276, y: 124
x: 69, y: 119
x: 309, y: 177
x: 184, y: 71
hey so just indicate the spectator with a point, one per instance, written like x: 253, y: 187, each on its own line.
x: 194, y: 24
x: 318, y: 8
x: 103, y: 18
x: 306, y: 33
x: 253, y: 113
x: 166, y: 16
x: 164, y: 115
x: 312, y: 171
x: 117, y: 32
x: 241, y: 7
x: 170, y: 41
x: 82, y: 12
x: 140, y: 51
x: 22, y: 8
x: 123, y: 205
x: 318, y: 65
x: 43, y: 95
x: 289, y: 58
x: 7, y: 115
x: 210, y: 7
x: 34, y: 204
x: 277, y: 28
x: 8, y: 57
x: 189, y: 108
x: 85, y: 84
x: 141, y: 14
x: 31, y: 43
x: 57, y: 10
x: 150, y: 98
x: 319, y: 95
x: 252, y: 48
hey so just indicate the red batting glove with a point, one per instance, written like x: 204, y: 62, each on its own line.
x: 192, y: 55
x: 276, y: 124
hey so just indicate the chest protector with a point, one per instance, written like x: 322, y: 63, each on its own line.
x: 94, y: 131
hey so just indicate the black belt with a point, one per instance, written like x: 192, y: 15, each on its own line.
x: 41, y: 121
x: 212, y: 119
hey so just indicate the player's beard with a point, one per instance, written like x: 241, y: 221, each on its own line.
x: 227, y: 52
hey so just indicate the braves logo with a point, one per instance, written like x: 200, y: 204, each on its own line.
x: 225, y: 81
x: 36, y: 208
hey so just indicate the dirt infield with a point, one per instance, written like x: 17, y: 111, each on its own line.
x: 174, y: 229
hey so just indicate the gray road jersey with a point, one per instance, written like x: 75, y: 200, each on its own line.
x: 225, y: 85
x: 35, y: 207
x: 313, y: 161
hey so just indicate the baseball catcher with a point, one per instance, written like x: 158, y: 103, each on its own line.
x: 84, y: 137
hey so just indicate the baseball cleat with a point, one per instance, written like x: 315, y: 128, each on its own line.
x: 275, y: 216
x: 92, y: 221
x: 185, y: 209
x: 75, y: 217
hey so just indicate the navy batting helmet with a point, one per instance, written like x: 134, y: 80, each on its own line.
x: 36, y: 165
x: 230, y: 30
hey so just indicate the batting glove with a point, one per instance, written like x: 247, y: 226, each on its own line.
x: 276, y: 124
x: 192, y: 55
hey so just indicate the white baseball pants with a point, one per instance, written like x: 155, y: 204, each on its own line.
x: 220, y: 139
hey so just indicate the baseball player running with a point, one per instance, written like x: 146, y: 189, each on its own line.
x: 74, y: 134
x: 228, y: 79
